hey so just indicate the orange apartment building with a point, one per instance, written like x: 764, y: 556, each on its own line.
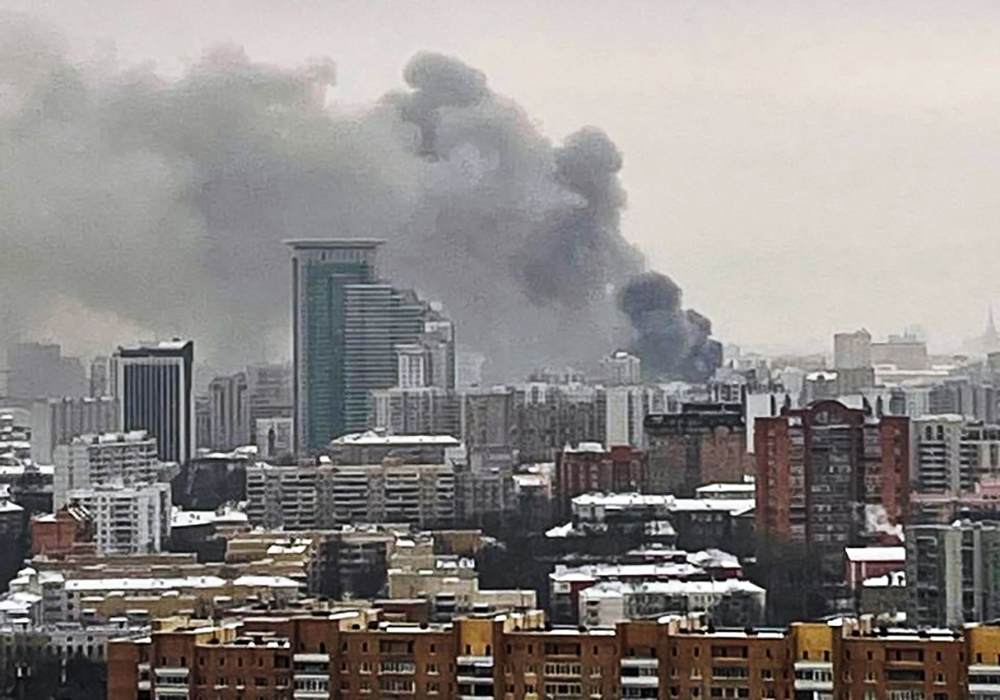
x: 353, y: 654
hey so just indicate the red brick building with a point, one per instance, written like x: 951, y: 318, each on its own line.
x: 70, y: 530
x: 831, y: 477
x: 589, y: 468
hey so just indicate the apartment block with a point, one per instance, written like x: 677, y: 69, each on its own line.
x: 324, y: 497
x: 127, y: 519
x: 357, y: 653
x: 129, y: 458
x: 702, y: 444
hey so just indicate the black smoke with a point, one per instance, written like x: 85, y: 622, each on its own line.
x: 140, y: 204
x: 672, y: 341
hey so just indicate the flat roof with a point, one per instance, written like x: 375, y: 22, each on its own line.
x: 866, y: 554
x: 333, y: 242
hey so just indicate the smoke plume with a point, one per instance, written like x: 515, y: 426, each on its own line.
x: 161, y: 204
x: 670, y: 340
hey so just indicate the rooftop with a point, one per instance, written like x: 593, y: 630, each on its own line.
x: 880, y: 554
x: 374, y: 438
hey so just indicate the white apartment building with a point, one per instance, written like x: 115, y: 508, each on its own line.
x: 88, y: 460
x: 305, y: 497
x: 127, y: 519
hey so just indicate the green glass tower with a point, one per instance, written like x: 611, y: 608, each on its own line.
x: 322, y: 270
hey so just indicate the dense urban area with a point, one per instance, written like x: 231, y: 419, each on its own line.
x: 373, y: 520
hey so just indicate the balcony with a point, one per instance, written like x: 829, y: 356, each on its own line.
x: 816, y: 676
x: 640, y: 673
x: 984, y: 681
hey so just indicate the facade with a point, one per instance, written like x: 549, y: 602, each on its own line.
x: 702, y: 444
x: 229, y: 412
x: 324, y: 497
x: 127, y: 519
x: 67, y: 531
x: 830, y: 477
x: 345, y: 653
x: 589, y: 468
x: 275, y: 438
x: 729, y: 602
x: 270, y: 394
x: 953, y: 573
x: 951, y: 454
x: 345, y: 328
x: 130, y: 458
x: 100, y: 384
x: 622, y: 369
x: 425, y: 410
x: 373, y: 447
x: 154, y: 385
x: 56, y: 421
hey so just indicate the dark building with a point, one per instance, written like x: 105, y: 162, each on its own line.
x: 704, y: 443
x: 154, y: 386
x: 351, y: 565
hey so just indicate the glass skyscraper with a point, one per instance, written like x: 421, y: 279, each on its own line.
x: 345, y: 326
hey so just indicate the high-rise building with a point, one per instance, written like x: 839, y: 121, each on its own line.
x: 154, y: 385
x: 829, y: 477
x: 129, y: 458
x: 345, y: 328
x: 270, y: 387
x: 99, y: 384
x: 852, y: 360
x: 622, y: 369
x: 229, y: 416
x: 952, y: 573
x: 702, y: 444
x: 424, y: 402
x: 127, y: 519
x: 952, y: 454
x: 56, y: 421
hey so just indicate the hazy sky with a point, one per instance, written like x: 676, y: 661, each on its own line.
x: 798, y: 167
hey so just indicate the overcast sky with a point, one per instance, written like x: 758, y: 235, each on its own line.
x: 799, y: 168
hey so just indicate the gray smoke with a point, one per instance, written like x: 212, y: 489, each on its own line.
x: 671, y: 341
x: 161, y: 204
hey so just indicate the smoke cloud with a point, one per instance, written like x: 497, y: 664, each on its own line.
x: 670, y: 340
x: 162, y: 203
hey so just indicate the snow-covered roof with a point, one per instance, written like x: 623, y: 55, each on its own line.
x: 879, y: 554
x: 372, y: 437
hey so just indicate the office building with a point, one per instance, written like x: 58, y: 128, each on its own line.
x: 229, y: 412
x: 127, y: 519
x: 155, y: 390
x: 729, y: 602
x: 346, y: 326
x: 830, y: 477
x: 702, y: 444
x: 57, y: 421
x: 130, y: 458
